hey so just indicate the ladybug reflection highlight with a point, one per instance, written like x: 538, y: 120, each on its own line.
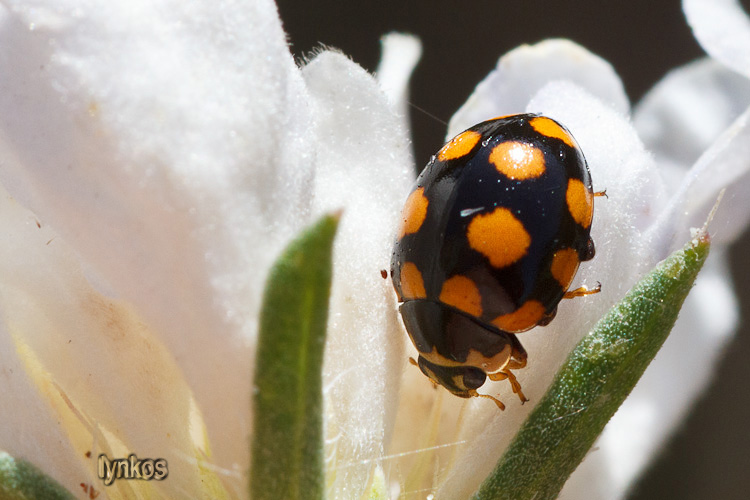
x: 490, y: 240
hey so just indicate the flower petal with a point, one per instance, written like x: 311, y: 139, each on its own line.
x: 522, y: 72
x: 696, y: 119
x: 400, y: 54
x: 723, y: 165
x: 99, y: 374
x: 364, y: 167
x: 687, y: 122
x: 687, y: 110
x: 723, y: 30
x: 169, y: 144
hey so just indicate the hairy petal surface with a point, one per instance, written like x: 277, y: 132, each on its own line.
x: 364, y: 168
x: 522, y: 72
x: 169, y: 145
x: 177, y: 151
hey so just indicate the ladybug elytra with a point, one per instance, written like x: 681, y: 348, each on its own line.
x: 490, y: 240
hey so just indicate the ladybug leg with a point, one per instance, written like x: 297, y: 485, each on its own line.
x: 517, y: 387
x: 601, y: 193
x: 583, y: 291
x: 516, y: 362
x: 499, y: 403
x: 502, y: 375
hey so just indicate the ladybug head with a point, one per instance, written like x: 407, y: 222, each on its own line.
x: 463, y: 381
x: 457, y: 351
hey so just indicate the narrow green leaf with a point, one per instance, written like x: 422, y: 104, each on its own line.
x: 594, y: 381
x: 287, y: 448
x: 19, y: 480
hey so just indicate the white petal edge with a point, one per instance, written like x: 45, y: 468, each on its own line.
x: 169, y: 145
x: 365, y: 168
x: 723, y: 165
x: 687, y: 110
x: 723, y: 29
x: 400, y: 55
x: 522, y: 72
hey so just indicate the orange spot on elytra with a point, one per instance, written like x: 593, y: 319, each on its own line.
x: 499, y: 236
x: 414, y: 213
x: 551, y: 128
x: 580, y: 202
x: 459, y: 146
x: 518, y: 160
x: 412, y: 284
x: 523, y: 318
x: 462, y: 293
x: 564, y: 266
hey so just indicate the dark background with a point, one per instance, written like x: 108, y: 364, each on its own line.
x: 709, y: 456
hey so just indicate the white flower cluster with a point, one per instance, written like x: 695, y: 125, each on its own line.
x: 155, y: 156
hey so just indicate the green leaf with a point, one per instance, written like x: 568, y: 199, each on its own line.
x: 594, y: 381
x: 287, y: 448
x: 19, y: 480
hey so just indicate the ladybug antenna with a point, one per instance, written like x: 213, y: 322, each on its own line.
x: 422, y: 110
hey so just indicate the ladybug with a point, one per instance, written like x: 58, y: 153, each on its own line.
x: 490, y: 239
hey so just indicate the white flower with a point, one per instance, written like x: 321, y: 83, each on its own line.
x: 168, y: 150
